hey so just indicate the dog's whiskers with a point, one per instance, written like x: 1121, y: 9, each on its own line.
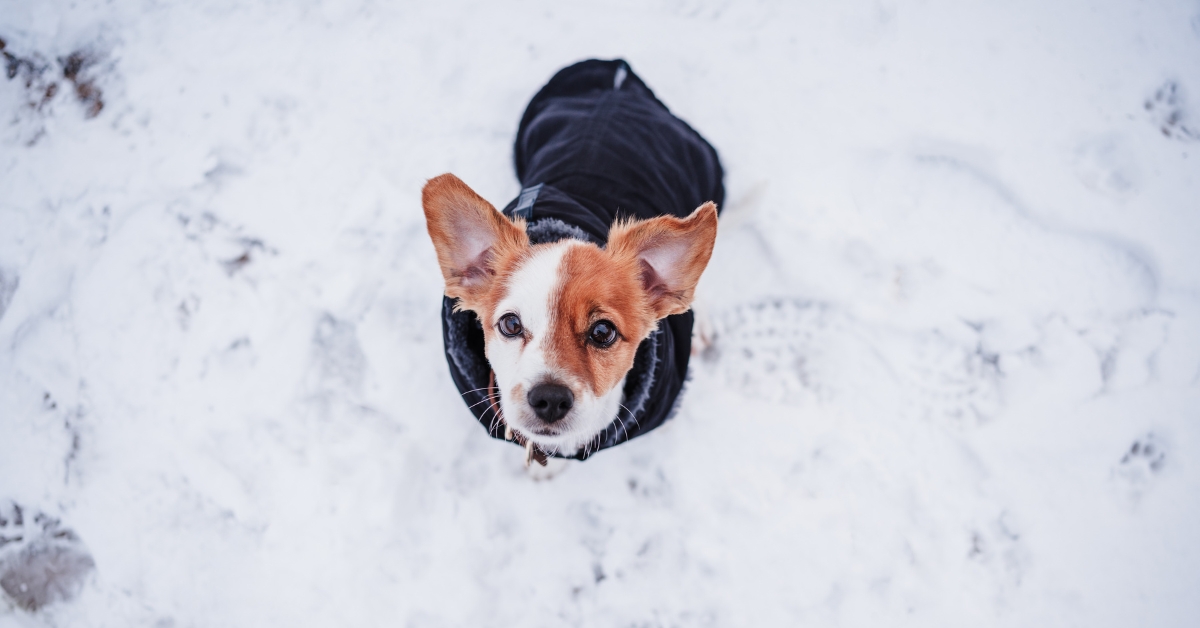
x: 495, y: 420
x: 631, y: 415
x: 492, y: 425
x: 621, y: 424
x: 595, y: 442
x: 479, y: 402
x: 498, y: 417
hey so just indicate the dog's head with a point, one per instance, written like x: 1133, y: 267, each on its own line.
x: 562, y: 321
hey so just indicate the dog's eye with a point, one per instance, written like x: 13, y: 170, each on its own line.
x: 603, y: 333
x: 510, y: 325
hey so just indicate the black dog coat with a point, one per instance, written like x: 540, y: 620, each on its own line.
x: 595, y: 145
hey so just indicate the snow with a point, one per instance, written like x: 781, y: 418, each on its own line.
x: 956, y: 299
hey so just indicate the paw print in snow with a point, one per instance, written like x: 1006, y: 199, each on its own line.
x: 40, y: 561
x: 1168, y: 111
x: 997, y: 547
x: 1145, y: 452
x: 1141, y: 462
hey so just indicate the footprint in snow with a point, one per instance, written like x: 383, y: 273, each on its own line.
x: 1141, y: 462
x: 41, y: 562
x: 801, y: 352
x: 951, y: 380
x: 1169, y: 111
x: 775, y: 349
x: 996, y: 546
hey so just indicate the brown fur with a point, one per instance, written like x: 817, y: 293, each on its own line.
x: 457, y: 217
x: 597, y: 285
x: 670, y: 290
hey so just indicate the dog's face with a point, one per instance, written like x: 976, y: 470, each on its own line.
x: 562, y: 321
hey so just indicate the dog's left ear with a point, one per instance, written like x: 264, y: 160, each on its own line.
x: 671, y: 254
x: 469, y: 235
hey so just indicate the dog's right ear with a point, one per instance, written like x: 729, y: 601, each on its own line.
x: 671, y: 253
x: 469, y: 235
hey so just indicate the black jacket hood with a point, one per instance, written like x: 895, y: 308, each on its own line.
x: 595, y: 145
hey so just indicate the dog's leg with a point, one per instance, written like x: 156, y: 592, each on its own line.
x: 553, y: 467
x: 704, y: 335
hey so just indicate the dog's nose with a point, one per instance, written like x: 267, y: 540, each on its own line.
x: 551, y: 402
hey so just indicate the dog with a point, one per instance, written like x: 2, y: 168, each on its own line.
x: 566, y: 316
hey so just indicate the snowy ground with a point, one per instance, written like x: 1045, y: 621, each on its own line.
x: 956, y: 291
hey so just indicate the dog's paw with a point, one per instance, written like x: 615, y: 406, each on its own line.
x: 1139, y: 465
x: 41, y: 562
x: 703, y: 335
x: 551, y: 470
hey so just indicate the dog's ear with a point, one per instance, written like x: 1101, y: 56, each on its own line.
x: 671, y: 254
x: 469, y: 235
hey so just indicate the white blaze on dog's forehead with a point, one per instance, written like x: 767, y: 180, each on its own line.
x: 531, y: 288
x: 518, y: 362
